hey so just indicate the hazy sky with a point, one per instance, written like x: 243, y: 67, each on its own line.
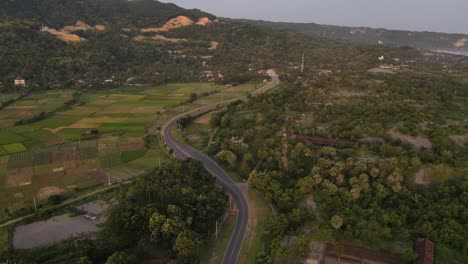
x: 422, y: 15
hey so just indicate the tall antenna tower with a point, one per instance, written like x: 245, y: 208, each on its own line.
x: 302, y: 65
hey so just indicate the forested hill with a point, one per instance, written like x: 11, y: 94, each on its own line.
x: 366, y: 35
x: 58, y: 13
x: 101, y: 43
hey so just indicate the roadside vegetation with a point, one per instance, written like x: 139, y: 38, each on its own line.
x: 365, y: 185
x: 169, y: 211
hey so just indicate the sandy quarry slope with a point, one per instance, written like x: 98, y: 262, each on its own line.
x: 180, y: 21
x: 66, y: 34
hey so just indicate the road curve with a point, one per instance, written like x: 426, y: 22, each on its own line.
x: 183, y: 151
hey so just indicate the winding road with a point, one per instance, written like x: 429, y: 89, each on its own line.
x: 183, y: 151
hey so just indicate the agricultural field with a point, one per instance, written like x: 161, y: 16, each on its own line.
x: 99, y: 140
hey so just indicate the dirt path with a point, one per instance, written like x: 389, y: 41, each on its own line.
x: 417, y: 142
x: 420, y: 176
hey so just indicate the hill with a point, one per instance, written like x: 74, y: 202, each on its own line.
x: 67, y: 43
x: 366, y: 35
x: 58, y: 13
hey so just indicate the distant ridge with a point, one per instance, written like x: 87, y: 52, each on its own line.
x: 366, y: 35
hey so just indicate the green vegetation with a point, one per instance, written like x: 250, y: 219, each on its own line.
x: 15, y: 147
x: 364, y: 185
x: 4, y: 239
x: 8, y: 137
x: 154, y: 214
x: 132, y: 155
x: 258, y: 232
x: 380, y: 128
x: 215, y: 248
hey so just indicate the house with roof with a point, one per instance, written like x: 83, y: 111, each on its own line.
x: 19, y: 81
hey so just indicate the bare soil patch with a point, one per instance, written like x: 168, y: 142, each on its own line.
x: 19, y: 177
x: 204, y: 119
x: 193, y: 137
x: 99, y: 175
x: 417, y: 142
x: 64, y: 36
x: 50, y: 141
x: 99, y: 27
x: 163, y: 38
x: 214, y: 45
x: 180, y: 21
x: 80, y: 25
x: 379, y: 70
x: 204, y: 21
x: 460, y: 43
x: 131, y: 146
x: 54, y: 130
x: 63, y: 155
x: 46, y: 192
x: 420, y: 176
x: 7, y: 122
x: 460, y: 140
x: 346, y: 252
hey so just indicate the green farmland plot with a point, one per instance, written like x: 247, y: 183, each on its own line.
x: 51, y: 156
x: 71, y: 133
x: 8, y: 137
x: 132, y: 155
x: 14, y: 148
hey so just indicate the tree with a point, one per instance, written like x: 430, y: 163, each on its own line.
x: 84, y: 260
x: 118, y: 258
x: 55, y: 199
x: 328, y: 151
x: 337, y: 222
x: 227, y: 156
x: 306, y: 184
x: 187, y: 243
x: 302, y: 245
x: 156, y: 222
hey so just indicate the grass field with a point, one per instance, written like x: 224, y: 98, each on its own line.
x: 15, y: 147
x: 9, y: 137
x: 260, y: 211
x: 132, y: 155
x: 4, y: 239
x: 442, y: 172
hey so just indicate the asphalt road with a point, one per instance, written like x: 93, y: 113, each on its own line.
x: 183, y: 151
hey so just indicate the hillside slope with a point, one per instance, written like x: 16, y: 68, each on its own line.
x: 58, y: 13
x: 366, y: 35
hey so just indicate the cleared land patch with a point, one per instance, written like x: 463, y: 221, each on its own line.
x: 417, y: 142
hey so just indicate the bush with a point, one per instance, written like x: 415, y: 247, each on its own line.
x: 55, y: 199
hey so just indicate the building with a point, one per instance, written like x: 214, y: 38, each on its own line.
x: 424, y: 251
x: 19, y: 81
